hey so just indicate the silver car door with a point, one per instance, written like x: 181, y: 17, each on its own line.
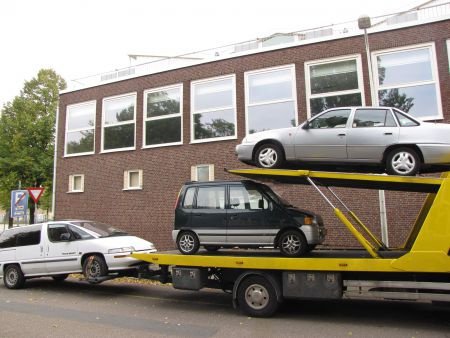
x: 325, y: 138
x: 372, y: 131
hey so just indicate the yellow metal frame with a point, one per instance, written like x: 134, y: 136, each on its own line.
x: 427, y: 248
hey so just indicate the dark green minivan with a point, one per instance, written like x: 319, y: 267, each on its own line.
x: 242, y: 214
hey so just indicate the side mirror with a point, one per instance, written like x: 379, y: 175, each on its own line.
x: 65, y: 237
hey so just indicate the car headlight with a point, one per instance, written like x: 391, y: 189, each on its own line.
x: 119, y: 250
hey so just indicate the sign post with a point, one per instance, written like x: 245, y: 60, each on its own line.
x: 19, y: 204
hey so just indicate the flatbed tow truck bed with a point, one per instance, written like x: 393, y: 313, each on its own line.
x: 260, y: 279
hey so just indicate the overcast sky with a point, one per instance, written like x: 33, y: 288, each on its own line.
x: 78, y: 38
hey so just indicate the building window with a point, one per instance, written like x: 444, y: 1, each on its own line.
x: 213, y: 106
x: 76, y: 183
x: 407, y: 79
x: 162, y: 116
x: 80, y: 129
x: 333, y: 83
x: 119, y: 117
x: 270, y: 97
x: 202, y: 172
x: 132, y: 179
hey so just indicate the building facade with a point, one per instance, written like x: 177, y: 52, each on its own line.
x: 125, y: 147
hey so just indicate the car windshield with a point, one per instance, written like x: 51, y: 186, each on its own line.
x: 101, y: 229
x: 275, y: 197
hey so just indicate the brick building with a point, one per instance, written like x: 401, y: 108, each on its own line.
x: 129, y: 139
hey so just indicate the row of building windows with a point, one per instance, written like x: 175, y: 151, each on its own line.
x: 404, y: 78
x: 133, y: 179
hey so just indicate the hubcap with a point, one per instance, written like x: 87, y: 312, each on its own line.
x: 13, y: 276
x: 291, y: 244
x: 94, y: 269
x: 403, y: 162
x: 267, y: 157
x: 256, y: 296
x: 187, y: 243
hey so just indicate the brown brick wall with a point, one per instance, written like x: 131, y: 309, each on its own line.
x: 149, y: 212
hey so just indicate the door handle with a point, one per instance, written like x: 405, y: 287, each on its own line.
x: 233, y: 217
x: 341, y: 134
x: 387, y: 133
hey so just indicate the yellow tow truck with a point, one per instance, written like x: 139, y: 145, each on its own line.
x: 260, y: 279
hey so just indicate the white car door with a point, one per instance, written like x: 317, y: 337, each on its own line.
x: 30, y: 249
x: 325, y: 138
x: 62, y: 254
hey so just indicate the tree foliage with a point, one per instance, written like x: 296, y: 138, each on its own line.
x: 27, y: 129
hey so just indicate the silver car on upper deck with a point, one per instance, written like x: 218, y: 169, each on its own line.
x: 353, y: 135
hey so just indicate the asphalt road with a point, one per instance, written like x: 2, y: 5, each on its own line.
x: 76, y: 309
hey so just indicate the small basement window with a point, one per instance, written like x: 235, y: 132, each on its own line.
x: 76, y: 183
x: 132, y: 180
x: 202, y: 172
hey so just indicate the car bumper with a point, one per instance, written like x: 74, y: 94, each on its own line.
x: 435, y: 153
x: 123, y: 260
x: 244, y: 152
x: 314, y: 234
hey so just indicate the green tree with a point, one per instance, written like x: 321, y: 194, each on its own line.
x: 27, y: 129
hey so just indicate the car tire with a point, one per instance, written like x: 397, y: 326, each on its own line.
x: 211, y: 248
x: 257, y: 297
x: 188, y: 243
x: 403, y: 161
x: 13, y: 277
x: 292, y: 243
x: 60, y: 278
x: 94, y: 267
x: 269, y: 156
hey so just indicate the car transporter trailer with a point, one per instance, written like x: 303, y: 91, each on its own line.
x: 260, y: 280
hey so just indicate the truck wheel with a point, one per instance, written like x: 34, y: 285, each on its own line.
x: 13, y: 277
x: 94, y: 266
x: 188, y: 243
x: 269, y: 156
x: 292, y: 243
x: 403, y: 161
x: 257, y: 297
x: 60, y: 278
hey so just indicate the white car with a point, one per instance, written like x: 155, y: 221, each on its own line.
x: 58, y: 248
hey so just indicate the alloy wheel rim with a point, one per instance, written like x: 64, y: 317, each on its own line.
x: 187, y: 243
x: 291, y: 244
x: 403, y: 162
x: 268, y: 157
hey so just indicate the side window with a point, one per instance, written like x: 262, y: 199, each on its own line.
x: 211, y: 197
x: 373, y: 118
x: 247, y: 198
x: 332, y: 119
x: 8, y: 239
x: 404, y: 120
x: 55, y: 231
x: 30, y: 237
x: 188, y: 201
x: 79, y: 233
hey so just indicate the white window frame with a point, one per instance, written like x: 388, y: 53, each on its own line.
x: 448, y: 54
x: 194, y: 171
x: 233, y: 106
x: 180, y: 114
x: 72, y: 183
x: 68, y: 108
x: 359, y: 90
x: 109, y: 98
x: 434, y: 72
x: 127, y: 179
x: 291, y: 67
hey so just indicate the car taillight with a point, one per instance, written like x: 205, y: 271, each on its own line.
x: 178, y: 198
x: 308, y: 220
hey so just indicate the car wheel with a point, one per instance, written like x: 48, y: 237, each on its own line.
x: 188, y: 243
x: 403, y: 161
x: 13, y: 277
x: 94, y: 267
x: 60, y: 278
x: 269, y: 156
x: 257, y: 297
x: 292, y: 243
x: 212, y: 248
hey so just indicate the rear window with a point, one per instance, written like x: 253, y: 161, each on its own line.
x: 188, y: 201
x: 21, y: 237
x: 403, y: 120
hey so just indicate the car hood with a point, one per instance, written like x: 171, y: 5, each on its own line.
x: 268, y: 134
x: 106, y: 243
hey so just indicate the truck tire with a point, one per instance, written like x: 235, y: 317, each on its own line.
x: 13, y: 277
x: 292, y: 243
x: 94, y: 266
x: 257, y: 297
x: 188, y: 243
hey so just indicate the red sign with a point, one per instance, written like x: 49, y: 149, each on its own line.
x: 35, y: 193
